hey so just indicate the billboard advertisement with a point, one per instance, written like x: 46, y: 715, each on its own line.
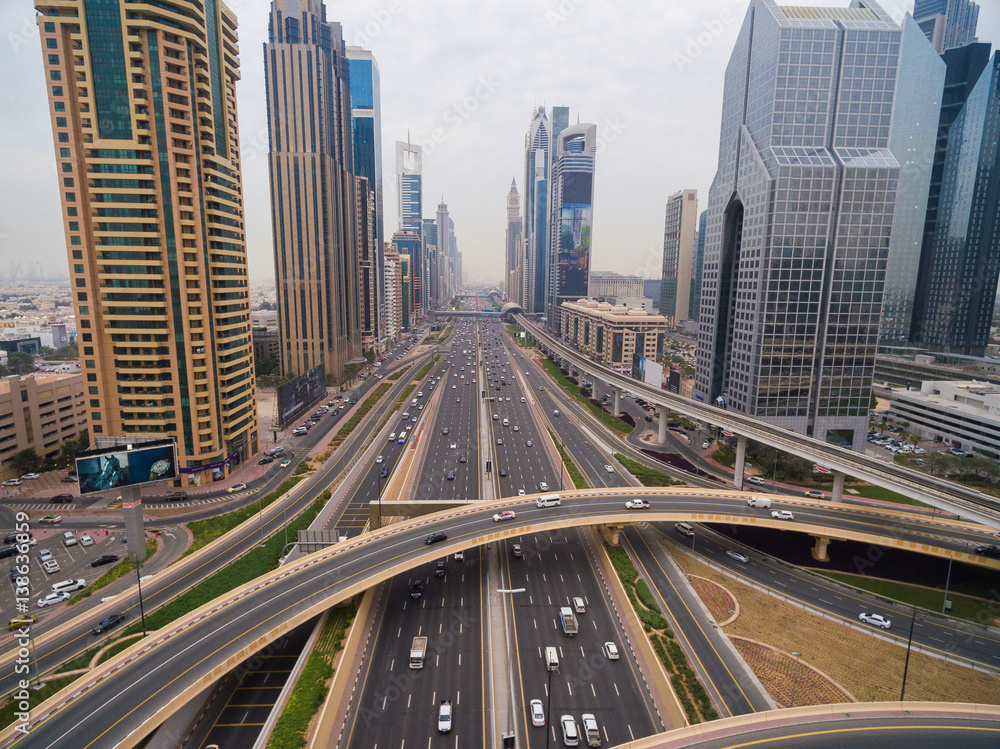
x: 574, y: 248
x: 297, y: 395
x: 126, y: 465
x: 649, y: 372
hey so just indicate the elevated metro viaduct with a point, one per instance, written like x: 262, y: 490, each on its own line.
x: 162, y: 672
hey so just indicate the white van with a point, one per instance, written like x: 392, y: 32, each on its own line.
x: 69, y: 538
x: 551, y: 659
x: 684, y: 529
x: 68, y: 586
x: 579, y: 606
x: 758, y: 502
x: 548, y: 500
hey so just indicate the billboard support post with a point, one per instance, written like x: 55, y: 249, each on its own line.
x: 134, y: 526
x: 142, y: 612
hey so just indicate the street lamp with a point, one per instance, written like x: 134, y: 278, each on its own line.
x: 548, y: 706
x: 142, y: 613
x: 795, y: 679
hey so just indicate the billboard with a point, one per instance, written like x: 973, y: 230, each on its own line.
x: 649, y: 372
x: 298, y: 394
x: 126, y: 465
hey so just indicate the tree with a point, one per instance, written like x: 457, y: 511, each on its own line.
x: 18, y: 363
x: 26, y: 461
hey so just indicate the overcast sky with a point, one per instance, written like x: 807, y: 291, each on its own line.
x: 462, y: 77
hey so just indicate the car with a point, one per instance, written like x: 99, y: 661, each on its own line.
x: 756, y: 480
x: 988, y: 550
x: 515, y: 549
x: 706, y: 445
x: 496, y: 417
x: 529, y: 443
x: 44, y: 555
x: 68, y: 479
x: 453, y: 446
x: 520, y: 492
x: 783, y: 515
x: 12, y: 482
x: 537, y: 713
x: 236, y: 488
x: 21, y: 620
x: 463, y: 458
x: 416, y: 589
x: 522, y: 399
x: 113, y: 620
x: 444, y: 716
x: 499, y: 440
x: 876, y: 620
x: 299, y: 431
x: 815, y: 494
x: 446, y: 431
x: 52, y: 599
x: 378, y: 459
x: 51, y: 519
x: 637, y: 504
x: 61, y: 498
x: 86, y: 540
x: 542, y: 486
x: 384, y: 472
x: 609, y: 468
x: 451, y: 474
x: 540, y: 388
x: 503, y: 472
x: 458, y: 400
x: 611, y: 651
x: 30, y: 476
x: 50, y: 566
x: 179, y: 496
x: 504, y: 515
x: 439, y: 568
x: 11, y: 538
x: 392, y: 436
x: 742, y: 558
x: 104, y: 559
x: 284, y: 464
x: 570, y: 731
x: 435, y: 537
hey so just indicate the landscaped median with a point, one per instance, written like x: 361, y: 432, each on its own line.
x: 607, y: 419
x: 115, y: 573
x: 647, y: 476
x: 575, y: 475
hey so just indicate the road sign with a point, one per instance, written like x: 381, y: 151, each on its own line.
x: 489, y: 466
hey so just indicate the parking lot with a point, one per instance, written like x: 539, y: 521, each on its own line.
x: 73, y: 561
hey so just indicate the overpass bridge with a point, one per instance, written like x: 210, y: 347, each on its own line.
x: 465, y: 313
x: 841, y: 461
x: 121, y: 701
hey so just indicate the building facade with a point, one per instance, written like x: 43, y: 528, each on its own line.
x: 40, y: 412
x: 947, y: 23
x: 410, y: 192
x: 446, y: 252
x: 537, y: 143
x: 799, y: 218
x: 697, y: 266
x: 144, y: 126
x: 964, y: 414
x: 604, y: 283
x: 369, y: 313
x: 408, y: 247
x: 612, y: 334
x: 393, y: 294
x: 512, y: 258
x: 678, y: 255
x: 313, y: 215
x: 571, y: 216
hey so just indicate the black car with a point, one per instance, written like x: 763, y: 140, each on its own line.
x: 385, y: 471
x: 11, y: 538
x: 104, y: 559
x: 435, y: 537
x: 69, y: 479
x: 112, y: 621
x: 11, y: 551
x: 989, y: 551
x: 177, y: 496
x: 439, y: 568
x: 61, y: 498
x: 503, y: 471
x: 416, y: 589
x: 445, y: 431
x: 265, y: 460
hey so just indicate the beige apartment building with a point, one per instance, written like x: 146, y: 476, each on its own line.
x: 39, y: 412
x: 612, y: 334
x: 142, y: 100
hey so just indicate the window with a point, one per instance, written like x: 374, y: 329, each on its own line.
x: 77, y: 255
x: 74, y: 240
x: 24, y: 396
x: 64, y: 153
x: 53, y: 59
x: 71, y: 197
x: 63, y: 137
x: 55, y: 75
x: 84, y: 310
x: 57, y: 91
x: 68, y: 182
x: 52, y: 42
x: 71, y: 211
x: 60, y: 122
x: 50, y: 28
x: 60, y: 106
x: 74, y: 226
x: 89, y: 363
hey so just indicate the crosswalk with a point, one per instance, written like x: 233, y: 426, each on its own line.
x: 54, y: 507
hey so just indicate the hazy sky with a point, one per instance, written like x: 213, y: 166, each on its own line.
x: 647, y: 72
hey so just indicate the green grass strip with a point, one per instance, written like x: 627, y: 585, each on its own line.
x: 313, y: 683
x: 207, y: 530
x: 647, y: 476
x: 575, y: 475
x: 574, y: 391
x: 250, y: 566
x: 115, y: 573
x: 9, y: 710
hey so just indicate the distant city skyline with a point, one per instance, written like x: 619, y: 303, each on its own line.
x: 473, y: 91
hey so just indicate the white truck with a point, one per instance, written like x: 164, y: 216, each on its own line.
x: 568, y: 620
x: 444, y: 716
x: 417, y: 652
x: 758, y: 502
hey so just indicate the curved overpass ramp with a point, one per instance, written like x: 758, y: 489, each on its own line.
x: 121, y: 701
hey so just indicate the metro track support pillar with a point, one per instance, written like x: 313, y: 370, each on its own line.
x: 741, y: 456
x: 819, y: 549
x: 661, y: 434
x: 838, y: 486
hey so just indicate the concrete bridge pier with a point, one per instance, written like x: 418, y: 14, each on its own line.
x: 661, y: 434
x: 610, y: 533
x: 819, y: 549
x: 618, y: 402
x: 741, y: 456
x: 838, y: 486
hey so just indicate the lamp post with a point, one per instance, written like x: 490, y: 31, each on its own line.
x: 795, y: 679
x: 260, y: 516
x: 947, y: 584
x: 142, y: 613
x: 909, y: 642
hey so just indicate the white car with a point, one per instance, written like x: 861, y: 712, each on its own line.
x: 44, y: 555
x: 755, y: 480
x: 537, y: 713
x: 454, y: 446
x: 876, y: 620
x: 520, y: 492
x: 637, y: 504
x: 609, y: 468
x: 741, y: 558
x: 378, y: 459
x: 86, y: 540
x: 52, y: 599
x: 30, y: 476
x: 50, y: 566
x: 611, y: 651
x: 783, y: 515
x: 542, y: 486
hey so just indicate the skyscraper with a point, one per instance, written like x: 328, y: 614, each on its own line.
x: 961, y: 261
x: 912, y: 138
x: 152, y: 203
x: 696, y: 268
x: 799, y: 219
x: 678, y: 255
x: 409, y: 176
x: 513, y: 242
x: 947, y: 23
x: 571, y: 216
x: 408, y: 245
x: 393, y: 293
x: 369, y: 314
x: 432, y: 264
x: 366, y: 135
x: 445, y: 253
x: 536, y: 212
x: 313, y: 215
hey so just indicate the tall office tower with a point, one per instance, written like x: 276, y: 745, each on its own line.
x: 366, y: 136
x: 152, y: 204
x: 912, y: 139
x: 560, y: 121
x: 513, y: 238
x: 799, y: 219
x: 961, y: 259
x: 409, y: 176
x: 430, y: 263
x: 947, y: 23
x: 571, y: 216
x: 678, y: 255
x: 393, y: 293
x: 368, y: 266
x: 697, y: 267
x: 408, y: 245
x: 536, y: 212
x: 444, y: 235
x: 312, y: 187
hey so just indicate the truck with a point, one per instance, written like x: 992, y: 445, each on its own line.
x: 568, y: 620
x: 444, y: 716
x: 758, y: 502
x: 417, y: 652
x: 590, y: 730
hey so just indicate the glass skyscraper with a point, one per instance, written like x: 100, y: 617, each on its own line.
x: 536, y: 211
x: 799, y: 219
x: 696, y: 267
x: 409, y: 177
x: 947, y: 23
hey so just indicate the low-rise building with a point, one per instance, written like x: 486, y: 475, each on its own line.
x: 266, y: 344
x: 611, y: 334
x: 963, y: 414
x: 39, y: 412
